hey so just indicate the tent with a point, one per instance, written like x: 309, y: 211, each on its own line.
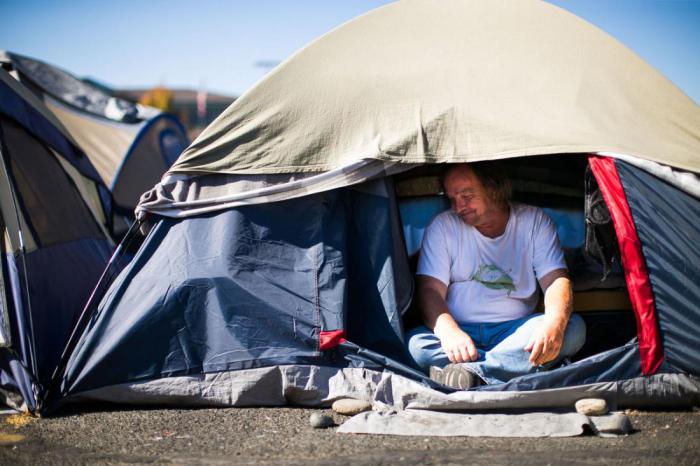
x: 130, y: 145
x: 53, y: 207
x: 276, y: 269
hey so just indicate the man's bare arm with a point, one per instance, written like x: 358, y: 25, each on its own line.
x: 457, y: 345
x: 558, y: 303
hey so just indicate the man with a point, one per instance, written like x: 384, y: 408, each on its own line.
x: 477, y: 286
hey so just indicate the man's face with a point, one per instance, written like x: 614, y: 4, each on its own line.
x: 468, y: 197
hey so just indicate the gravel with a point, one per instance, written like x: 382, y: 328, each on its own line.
x: 261, y: 436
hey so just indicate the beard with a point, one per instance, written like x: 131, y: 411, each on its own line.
x: 470, y: 217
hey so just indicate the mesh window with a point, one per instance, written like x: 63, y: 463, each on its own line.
x: 50, y: 201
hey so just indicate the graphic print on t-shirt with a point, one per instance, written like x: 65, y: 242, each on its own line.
x: 493, y: 277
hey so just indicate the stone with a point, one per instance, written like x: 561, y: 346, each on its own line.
x: 350, y: 407
x: 612, y: 424
x: 321, y: 421
x: 591, y: 407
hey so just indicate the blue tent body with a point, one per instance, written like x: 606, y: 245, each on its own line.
x: 55, y: 249
x: 265, y: 285
x: 252, y: 287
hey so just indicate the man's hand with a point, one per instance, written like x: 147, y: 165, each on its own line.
x: 458, y: 346
x: 545, y: 343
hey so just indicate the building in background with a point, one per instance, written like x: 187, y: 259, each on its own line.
x: 195, y: 109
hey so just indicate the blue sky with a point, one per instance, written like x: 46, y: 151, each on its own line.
x: 129, y: 43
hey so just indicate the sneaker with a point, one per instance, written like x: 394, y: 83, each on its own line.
x: 455, y: 376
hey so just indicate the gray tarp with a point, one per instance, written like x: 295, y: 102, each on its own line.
x: 320, y: 386
x: 531, y: 424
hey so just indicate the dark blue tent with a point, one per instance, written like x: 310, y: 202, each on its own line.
x: 53, y: 207
x: 323, y: 281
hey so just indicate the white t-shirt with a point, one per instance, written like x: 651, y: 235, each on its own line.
x: 491, y: 279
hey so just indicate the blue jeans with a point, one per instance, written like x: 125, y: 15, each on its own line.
x: 500, y: 346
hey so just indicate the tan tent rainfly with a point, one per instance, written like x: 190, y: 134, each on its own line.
x: 484, y: 79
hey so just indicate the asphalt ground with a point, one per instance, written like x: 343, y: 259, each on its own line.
x: 284, y: 436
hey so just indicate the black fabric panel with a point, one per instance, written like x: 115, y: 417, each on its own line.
x: 19, y: 110
x: 606, y: 330
x: 52, y: 205
x: 601, y: 242
x: 668, y: 225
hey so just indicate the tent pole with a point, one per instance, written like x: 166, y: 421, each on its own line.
x: 28, y: 310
